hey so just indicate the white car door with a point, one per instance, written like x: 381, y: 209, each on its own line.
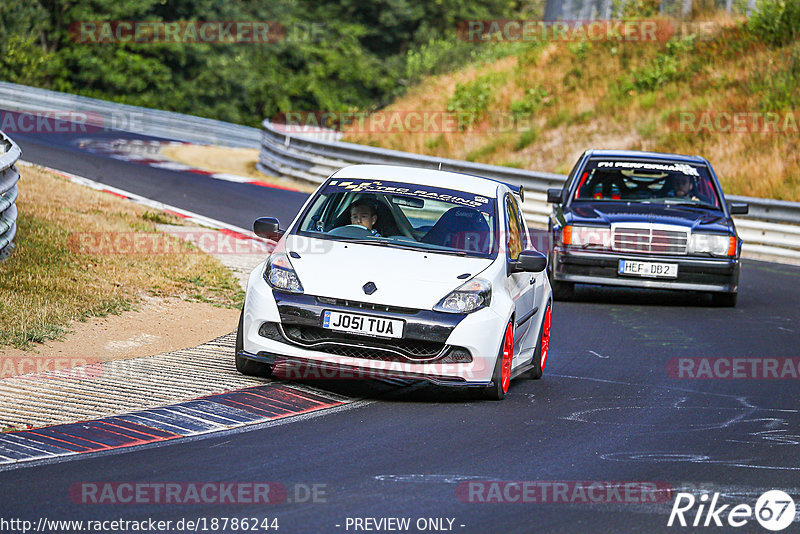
x: 521, y: 286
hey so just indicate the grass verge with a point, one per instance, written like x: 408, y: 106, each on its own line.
x: 558, y: 99
x: 46, y: 283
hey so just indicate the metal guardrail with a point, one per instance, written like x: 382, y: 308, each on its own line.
x: 101, y: 114
x: 573, y: 10
x: 313, y: 160
x: 9, y: 176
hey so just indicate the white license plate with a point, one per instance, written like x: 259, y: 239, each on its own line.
x: 362, y: 324
x: 648, y: 269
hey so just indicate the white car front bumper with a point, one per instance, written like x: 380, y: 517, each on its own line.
x: 269, y: 316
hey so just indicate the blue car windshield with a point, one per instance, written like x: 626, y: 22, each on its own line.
x: 647, y: 181
x: 404, y: 216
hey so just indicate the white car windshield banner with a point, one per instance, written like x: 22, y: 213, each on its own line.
x: 417, y: 191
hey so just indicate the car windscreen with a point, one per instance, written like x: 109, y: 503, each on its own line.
x: 647, y: 181
x: 402, y: 215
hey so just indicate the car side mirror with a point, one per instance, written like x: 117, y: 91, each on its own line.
x: 268, y: 227
x: 738, y: 208
x: 554, y: 196
x: 530, y: 261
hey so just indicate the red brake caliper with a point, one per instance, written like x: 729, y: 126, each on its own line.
x: 545, y: 337
x: 508, y: 351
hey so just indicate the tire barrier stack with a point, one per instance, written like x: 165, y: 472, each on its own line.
x: 9, y: 176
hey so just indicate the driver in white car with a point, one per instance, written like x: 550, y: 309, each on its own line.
x: 364, y: 213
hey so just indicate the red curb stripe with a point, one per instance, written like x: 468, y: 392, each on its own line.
x: 288, y: 394
x: 309, y: 410
x: 261, y: 399
x: 115, y: 194
x: 304, y: 395
x: 101, y: 426
x: 281, y: 413
x: 234, y: 234
x: 132, y: 432
x: 260, y: 403
x: 285, y: 397
x: 46, y: 440
x: 255, y: 406
x: 155, y: 432
x: 96, y: 445
x: 266, y: 403
x: 175, y: 213
x: 274, y: 186
x: 261, y: 411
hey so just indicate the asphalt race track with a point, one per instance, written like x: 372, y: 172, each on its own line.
x: 234, y: 203
x: 634, y: 392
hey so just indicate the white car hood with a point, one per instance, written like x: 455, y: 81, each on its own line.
x: 406, y: 278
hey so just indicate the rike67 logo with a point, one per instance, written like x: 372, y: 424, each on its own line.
x: 774, y: 510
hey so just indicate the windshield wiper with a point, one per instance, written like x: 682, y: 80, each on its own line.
x: 689, y: 203
x: 375, y: 241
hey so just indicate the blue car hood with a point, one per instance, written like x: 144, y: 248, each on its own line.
x: 607, y: 213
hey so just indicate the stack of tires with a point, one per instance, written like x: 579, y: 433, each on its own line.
x: 9, y: 176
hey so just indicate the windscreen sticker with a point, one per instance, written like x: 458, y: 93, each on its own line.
x: 392, y: 188
x: 683, y: 168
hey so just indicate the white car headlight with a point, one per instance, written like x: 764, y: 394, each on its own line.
x: 469, y: 297
x: 280, y: 274
x: 715, y: 244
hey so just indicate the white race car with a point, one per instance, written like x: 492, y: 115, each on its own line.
x: 401, y: 272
